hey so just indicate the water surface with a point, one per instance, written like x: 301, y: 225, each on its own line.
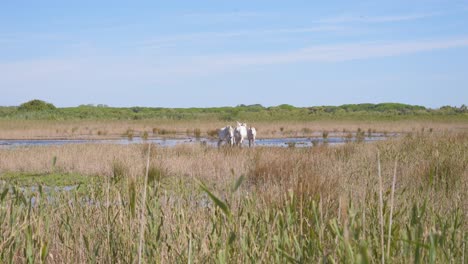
x: 170, y: 142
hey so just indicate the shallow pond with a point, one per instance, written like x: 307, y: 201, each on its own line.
x: 170, y: 142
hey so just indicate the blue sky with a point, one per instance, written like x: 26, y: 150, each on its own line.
x: 217, y: 53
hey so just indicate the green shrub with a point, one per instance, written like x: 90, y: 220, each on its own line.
x: 35, y: 105
x: 212, y: 133
x: 129, y: 134
x: 145, y: 135
x: 119, y: 171
x: 325, y: 134
x: 197, y: 132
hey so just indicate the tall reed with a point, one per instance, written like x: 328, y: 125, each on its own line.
x: 275, y: 205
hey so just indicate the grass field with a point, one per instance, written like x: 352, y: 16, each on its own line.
x: 102, y: 129
x: 403, y: 200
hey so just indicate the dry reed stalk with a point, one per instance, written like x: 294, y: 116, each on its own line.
x: 270, y: 231
x: 301, y: 212
x: 381, y: 209
x: 339, y: 209
x: 391, y: 209
x: 364, y: 214
x: 190, y: 250
x: 364, y: 220
x: 464, y: 248
x: 108, y: 217
x: 142, y: 215
x: 321, y: 208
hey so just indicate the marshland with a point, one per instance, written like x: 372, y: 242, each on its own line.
x: 120, y: 126
x: 401, y: 199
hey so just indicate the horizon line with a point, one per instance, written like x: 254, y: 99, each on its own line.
x: 103, y: 105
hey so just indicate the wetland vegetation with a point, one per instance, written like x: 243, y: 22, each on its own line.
x: 402, y: 200
x: 177, y: 170
x: 399, y: 200
x: 40, y: 110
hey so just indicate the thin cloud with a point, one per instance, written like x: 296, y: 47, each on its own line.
x: 208, y: 65
x: 236, y: 34
x: 299, y: 30
x: 398, y: 18
x: 152, y: 70
x: 225, y: 16
x: 331, y: 24
x: 23, y: 37
x: 376, y: 19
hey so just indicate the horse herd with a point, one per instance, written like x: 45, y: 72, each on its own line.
x: 235, y: 136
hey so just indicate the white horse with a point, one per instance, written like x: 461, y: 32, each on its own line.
x: 226, y: 134
x: 251, y: 135
x: 240, y: 133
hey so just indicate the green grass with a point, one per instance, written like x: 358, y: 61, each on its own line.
x: 384, y: 111
x: 208, y: 228
x: 47, y: 179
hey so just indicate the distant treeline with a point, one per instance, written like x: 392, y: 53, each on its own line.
x: 40, y: 110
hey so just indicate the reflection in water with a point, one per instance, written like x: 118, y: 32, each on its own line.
x: 170, y: 142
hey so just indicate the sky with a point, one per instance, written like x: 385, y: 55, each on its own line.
x: 226, y: 53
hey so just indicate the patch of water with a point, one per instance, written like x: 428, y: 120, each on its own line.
x: 171, y: 142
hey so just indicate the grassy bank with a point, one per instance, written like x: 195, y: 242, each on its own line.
x: 241, y: 205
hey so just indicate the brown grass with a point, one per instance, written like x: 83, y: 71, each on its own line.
x: 33, y: 129
x: 424, y: 159
x: 337, y: 177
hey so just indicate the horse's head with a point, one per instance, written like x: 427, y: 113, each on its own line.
x: 241, y: 124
